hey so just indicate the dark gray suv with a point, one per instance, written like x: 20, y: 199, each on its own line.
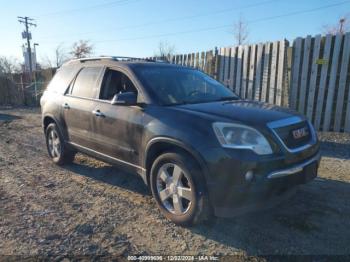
x: 199, y: 147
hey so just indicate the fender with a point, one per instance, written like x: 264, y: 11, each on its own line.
x: 180, y: 144
x: 64, y: 134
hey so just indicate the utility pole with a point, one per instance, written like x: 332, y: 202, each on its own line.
x: 26, y: 34
x: 341, y: 25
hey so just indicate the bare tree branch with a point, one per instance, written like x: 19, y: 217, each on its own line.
x: 341, y: 27
x: 81, y: 49
x: 240, y: 31
x: 165, y: 50
x: 9, y: 65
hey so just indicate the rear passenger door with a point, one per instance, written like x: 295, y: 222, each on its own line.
x: 78, y: 105
x: 117, y: 129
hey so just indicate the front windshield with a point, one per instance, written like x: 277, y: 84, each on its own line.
x: 174, y: 85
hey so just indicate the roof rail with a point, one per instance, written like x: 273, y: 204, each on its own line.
x: 114, y: 58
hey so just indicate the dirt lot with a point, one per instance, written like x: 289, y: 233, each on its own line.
x: 90, y: 207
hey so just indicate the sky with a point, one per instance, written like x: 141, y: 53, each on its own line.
x: 136, y: 27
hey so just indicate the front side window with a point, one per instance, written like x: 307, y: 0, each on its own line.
x: 85, y: 84
x: 174, y: 85
x: 115, y: 82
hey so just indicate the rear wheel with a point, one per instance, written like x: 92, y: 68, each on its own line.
x: 178, y: 188
x: 56, y: 147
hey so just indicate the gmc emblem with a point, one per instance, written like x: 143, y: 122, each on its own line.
x: 301, y: 132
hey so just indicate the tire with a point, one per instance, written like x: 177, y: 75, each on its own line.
x: 56, y: 147
x: 178, y: 187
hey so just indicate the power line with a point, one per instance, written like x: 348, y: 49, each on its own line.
x: 69, y: 11
x: 225, y: 26
x: 226, y: 10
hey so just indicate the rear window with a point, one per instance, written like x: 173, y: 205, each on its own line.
x: 85, y: 84
x: 62, y: 79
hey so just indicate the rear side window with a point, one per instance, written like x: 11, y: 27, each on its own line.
x: 62, y: 79
x: 85, y: 84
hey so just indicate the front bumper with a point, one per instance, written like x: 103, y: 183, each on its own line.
x: 275, y: 178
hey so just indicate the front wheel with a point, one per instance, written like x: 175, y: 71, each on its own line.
x: 178, y: 188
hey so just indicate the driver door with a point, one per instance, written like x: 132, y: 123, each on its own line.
x: 117, y: 129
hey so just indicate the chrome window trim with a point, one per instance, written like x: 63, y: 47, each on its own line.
x: 291, y: 121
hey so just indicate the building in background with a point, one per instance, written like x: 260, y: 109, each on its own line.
x: 26, y: 67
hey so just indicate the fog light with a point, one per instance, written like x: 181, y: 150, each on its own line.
x: 249, y: 175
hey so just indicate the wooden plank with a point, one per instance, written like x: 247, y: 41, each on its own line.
x: 265, y: 75
x: 304, y: 74
x: 251, y: 72
x: 202, y: 64
x: 287, y: 76
x: 323, y: 82
x: 347, y: 114
x: 245, y: 72
x: 258, y: 78
x: 209, y: 63
x: 239, y: 71
x: 197, y: 60
x: 295, y: 72
x: 272, y: 86
x: 342, y: 83
x: 184, y: 60
x: 221, y: 68
x: 280, y: 71
x: 313, y: 77
x: 332, y: 81
x: 189, y: 59
x: 233, y: 67
x: 180, y: 59
x: 226, y: 66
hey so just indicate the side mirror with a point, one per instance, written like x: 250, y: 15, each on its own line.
x: 126, y: 99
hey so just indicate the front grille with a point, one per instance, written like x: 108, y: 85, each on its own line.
x: 285, y: 133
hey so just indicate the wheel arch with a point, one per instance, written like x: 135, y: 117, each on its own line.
x: 48, y: 119
x: 160, y: 145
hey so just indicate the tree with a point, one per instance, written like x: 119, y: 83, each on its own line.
x: 60, y: 56
x: 165, y: 50
x: 341, y: 27
x: 240, y: 31
x: 9, y: 65
x: 81, y: 49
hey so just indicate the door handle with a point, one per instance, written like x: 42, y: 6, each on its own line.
x: 65, y: 106
x: 98, y: 113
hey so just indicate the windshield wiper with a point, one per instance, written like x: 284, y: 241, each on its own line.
x: 177, y: 103
x: 227, y: 98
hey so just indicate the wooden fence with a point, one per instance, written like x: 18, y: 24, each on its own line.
x: 312, y: 76
x: 320, y: 80
x: 17, y: 89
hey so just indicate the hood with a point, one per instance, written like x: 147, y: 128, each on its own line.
x: 248, y: 112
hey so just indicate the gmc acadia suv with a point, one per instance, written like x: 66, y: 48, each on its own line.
x: 200, y: 148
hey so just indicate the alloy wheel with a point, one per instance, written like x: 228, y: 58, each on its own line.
x: 54, y: 144
x: 174, y: 189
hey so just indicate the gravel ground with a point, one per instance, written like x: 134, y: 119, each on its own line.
x: 90, y: 207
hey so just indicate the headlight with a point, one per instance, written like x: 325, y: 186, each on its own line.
x: 241, y: 137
